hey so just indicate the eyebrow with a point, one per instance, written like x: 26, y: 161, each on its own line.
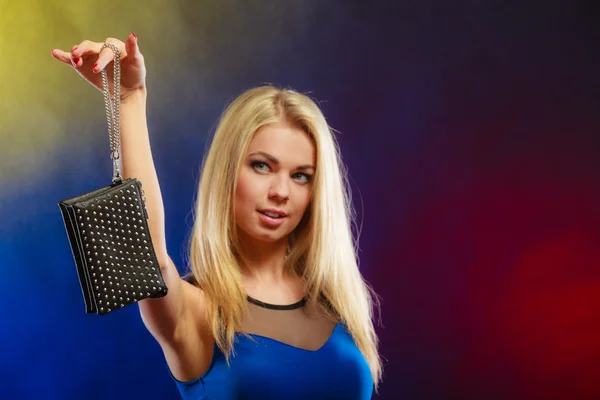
x: 276, y: 161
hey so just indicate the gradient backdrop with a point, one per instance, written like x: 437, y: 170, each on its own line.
x: 470, y: 130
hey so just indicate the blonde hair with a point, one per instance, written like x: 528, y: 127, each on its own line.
x: 322, y: 248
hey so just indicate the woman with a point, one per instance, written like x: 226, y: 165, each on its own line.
x: 274, y: 305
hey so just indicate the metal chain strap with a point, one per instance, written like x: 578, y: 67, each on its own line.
x: 113, y: 109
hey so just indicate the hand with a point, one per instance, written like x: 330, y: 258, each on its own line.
x: 88, y: 61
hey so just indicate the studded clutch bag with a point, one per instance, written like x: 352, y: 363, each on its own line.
x: 108, y: 231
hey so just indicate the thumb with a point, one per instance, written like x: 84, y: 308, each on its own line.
x: 131, y: 47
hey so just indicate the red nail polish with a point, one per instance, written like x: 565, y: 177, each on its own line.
x: 135, y: 36
x: 95, y: 67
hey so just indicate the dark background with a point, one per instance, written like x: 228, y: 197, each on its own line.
x: 470, y: 130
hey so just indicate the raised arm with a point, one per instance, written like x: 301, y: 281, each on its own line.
x: 163, y: 317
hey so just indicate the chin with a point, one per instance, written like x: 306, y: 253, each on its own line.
x: 269, y: 237
x: 260, y: 234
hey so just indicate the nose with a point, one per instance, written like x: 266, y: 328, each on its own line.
x: 280, y: 188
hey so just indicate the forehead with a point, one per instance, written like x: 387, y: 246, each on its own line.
x: 287, y: 143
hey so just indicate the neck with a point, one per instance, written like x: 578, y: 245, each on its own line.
x: 263, y: 261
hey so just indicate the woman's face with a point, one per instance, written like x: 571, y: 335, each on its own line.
x: 275, y: 182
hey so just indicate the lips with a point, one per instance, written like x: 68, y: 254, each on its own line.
x: 273, y: 213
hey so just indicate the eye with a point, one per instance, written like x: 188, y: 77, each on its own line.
x: 260, y: 166
x: 302, y: 177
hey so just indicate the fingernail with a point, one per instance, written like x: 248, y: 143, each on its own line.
x: 75, y: 61
x: 95, y: 67
x: 135, y: 36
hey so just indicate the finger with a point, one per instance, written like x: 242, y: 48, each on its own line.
x: 61, y: 56
x: 132, y: 49
x: 106, y: 55
x: 67, y: 58
x: 85, y: 48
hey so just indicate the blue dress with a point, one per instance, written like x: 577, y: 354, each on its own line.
x: 265, y: 368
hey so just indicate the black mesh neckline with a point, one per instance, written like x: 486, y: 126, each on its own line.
x: 262, y: 304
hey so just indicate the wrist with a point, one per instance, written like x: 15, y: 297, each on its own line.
x: 135, y: 95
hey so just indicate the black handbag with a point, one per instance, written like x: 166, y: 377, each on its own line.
x: 108, y: 232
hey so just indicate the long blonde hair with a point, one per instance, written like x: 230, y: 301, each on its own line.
x: 322, y: 248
